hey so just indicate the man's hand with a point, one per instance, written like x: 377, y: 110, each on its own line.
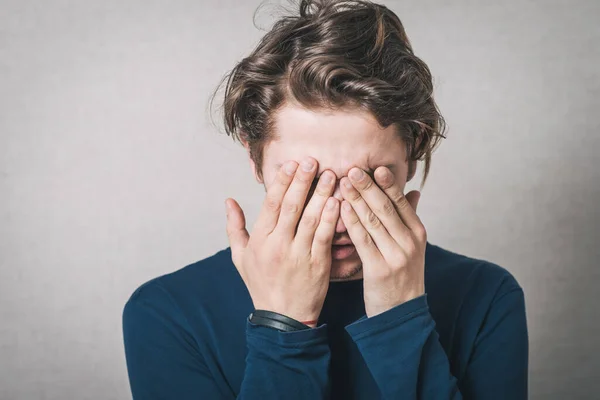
x: 287, y: 271
x: 388, y: 235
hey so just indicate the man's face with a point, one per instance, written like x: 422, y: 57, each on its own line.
x: 338, y: 140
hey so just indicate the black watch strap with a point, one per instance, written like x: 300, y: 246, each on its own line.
x: 276, y: 321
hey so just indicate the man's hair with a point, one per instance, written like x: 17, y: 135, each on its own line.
x: 334, y: 54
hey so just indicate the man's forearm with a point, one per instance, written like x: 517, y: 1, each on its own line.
x: 402, y: 350
x: 290, y: 365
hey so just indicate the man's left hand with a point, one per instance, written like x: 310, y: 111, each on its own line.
x: 390, y: 239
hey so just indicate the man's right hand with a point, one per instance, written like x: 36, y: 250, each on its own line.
x: 287, y: 271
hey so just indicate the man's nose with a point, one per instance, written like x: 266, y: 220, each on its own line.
x: 339, y: 227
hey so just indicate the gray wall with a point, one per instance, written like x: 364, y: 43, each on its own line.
x: 111, y: 173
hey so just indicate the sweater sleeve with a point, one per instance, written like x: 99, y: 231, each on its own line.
x: 164, y: 360
x: 402, y: 351
x: 290, y: 365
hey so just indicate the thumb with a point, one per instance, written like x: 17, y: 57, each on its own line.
x: 413, y: 198
x: 236, y: 227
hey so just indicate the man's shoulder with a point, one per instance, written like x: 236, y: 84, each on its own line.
x: 457, y: 280
x: 207, y: 275
x: 197, y: 285
x: 449, y: 266
x: 198, y: 308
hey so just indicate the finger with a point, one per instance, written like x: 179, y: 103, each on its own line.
x: 295, y: 199
x: 236, y: 228
x: 368, y: 219
x: 311, y: 216
x: 379, y: 203
x: 362, y: 240
x: 386, y: 181
x: 323, y: 238
x: 271, y: 207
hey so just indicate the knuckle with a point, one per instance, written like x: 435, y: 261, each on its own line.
x: 277, y: 255
x: 290, y: 208
x: 366, y: 238
x: 310, y: 221
x: 322, y: 190
x: 354, y: 219
x: 397, y: 197
x: 327, y: 221
x: 329, y: 216
x: 354, y: 195
x: 316, y: 260
x: 372, y: 220
x: 272, y: 204
x: 399, y: 260
x: 388, y: 208
x: 321, y: 239
x: 367, y: 184
x: 402, y: 203
x: 409, y: 251
x: 303, y: 177
x: 319, y: 261
x: 421, y: 233
x: 382, y: 274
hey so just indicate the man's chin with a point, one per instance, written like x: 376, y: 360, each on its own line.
x: 345, y: 270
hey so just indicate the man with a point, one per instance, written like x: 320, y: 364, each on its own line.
x: 335, y: 292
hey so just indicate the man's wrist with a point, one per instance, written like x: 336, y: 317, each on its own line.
x: 278, y: 321
x: 311, y: 324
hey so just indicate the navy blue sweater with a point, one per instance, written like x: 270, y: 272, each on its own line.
x: 187, y: 336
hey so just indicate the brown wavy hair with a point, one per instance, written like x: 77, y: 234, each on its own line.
x: 334, y: 54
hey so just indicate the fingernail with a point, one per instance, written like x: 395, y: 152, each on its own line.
x: 347, y: 183
x: 307, y: 165
x: 290, y: 167
x: 330, y: 203
x: 356, y: 174
x: 384, y: 174
x: 326, y: 178
x: 226, y: 208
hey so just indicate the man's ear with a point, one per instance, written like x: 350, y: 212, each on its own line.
x: 252, y: 163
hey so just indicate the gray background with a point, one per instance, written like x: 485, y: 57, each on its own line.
x: 111, y: 172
